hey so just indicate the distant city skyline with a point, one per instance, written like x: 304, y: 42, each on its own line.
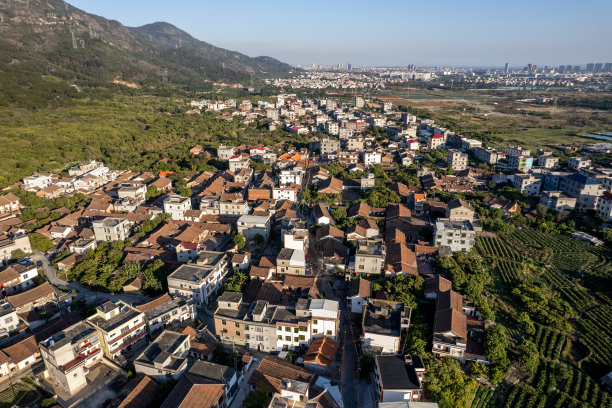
x: 389, y: 32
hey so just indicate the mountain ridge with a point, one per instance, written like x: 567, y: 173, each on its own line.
x: 171, y: 36
x: 41, y: 38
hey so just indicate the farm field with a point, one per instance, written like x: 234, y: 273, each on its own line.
x: 572, y: 359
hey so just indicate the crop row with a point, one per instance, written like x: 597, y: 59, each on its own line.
x: 490, y: 246
x: 549, y: 342
x: 510, y: 272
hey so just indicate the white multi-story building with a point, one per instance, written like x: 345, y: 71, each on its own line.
x: 293, y: 176
x: 556, y: 200
x: 527, y: 184
x: 285, y: 193
x: 252, y: 225
x: 383, y: 322
x: 111, y: 229
x: 517, y: 151
x: 578, y: 163
x: 37, y: 182
x: 459, y: 236
x: 166, y: 310
x: 119, y: 326
x: 332, y: 128
x: 604, y: 206
x: 8, y: 319
x: 165, y: 358
x: 457, y: 159
x: 325, y: 317
x: 548, y: 161
x: 371, y: 157
x: 69, y: 354
x: 200, y: 279
x: 176, y: 206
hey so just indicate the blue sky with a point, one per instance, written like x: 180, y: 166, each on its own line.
x: 387, y: 32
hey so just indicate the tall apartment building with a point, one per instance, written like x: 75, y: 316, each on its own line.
x: 457, y: 159
x: 200, y: 279
x: 67, y: 355
x: 458, y: 236
x: 119, y: 326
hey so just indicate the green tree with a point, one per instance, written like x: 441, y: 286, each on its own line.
x: 477, y: 369
x: 529, y: 357
x: 152, y: 193
x: 526, y: 324
x: 239, y: 241
x: 447, y: 385
x: 258, y: 398
x: 39, y: 242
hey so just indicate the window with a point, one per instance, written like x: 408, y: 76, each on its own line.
x: 237, y: 333
x: 329, y: 332
x: 125, y: 329
x: 223, y: 322
x: 237, y: 324
x: 303, y: 328
x: 287, y: 329
x: 315, y: 331
x: 315, y: 322
x: 302, y: 337
x: 295, y: 329
x: 280, y: 328
x: 296, y: 339
x: 224, y: 330
x: 8, y: 319
x: 288, y: 338
x: 280, y: 337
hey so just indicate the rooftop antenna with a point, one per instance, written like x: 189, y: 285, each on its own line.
x: 74, y: 43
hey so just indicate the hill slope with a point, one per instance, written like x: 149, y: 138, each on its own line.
x: 170, y: 36
x: 42, y: 38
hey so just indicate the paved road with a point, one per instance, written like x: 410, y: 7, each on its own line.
x: 243, y: 387
x: 348, y: 380
x: 48, y: 268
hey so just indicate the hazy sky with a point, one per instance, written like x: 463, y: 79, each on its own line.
x: 387, y: 32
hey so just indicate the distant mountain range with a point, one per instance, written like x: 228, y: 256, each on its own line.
x: 51, y: 37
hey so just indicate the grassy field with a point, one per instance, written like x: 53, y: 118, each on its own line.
x: 500, y: 119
